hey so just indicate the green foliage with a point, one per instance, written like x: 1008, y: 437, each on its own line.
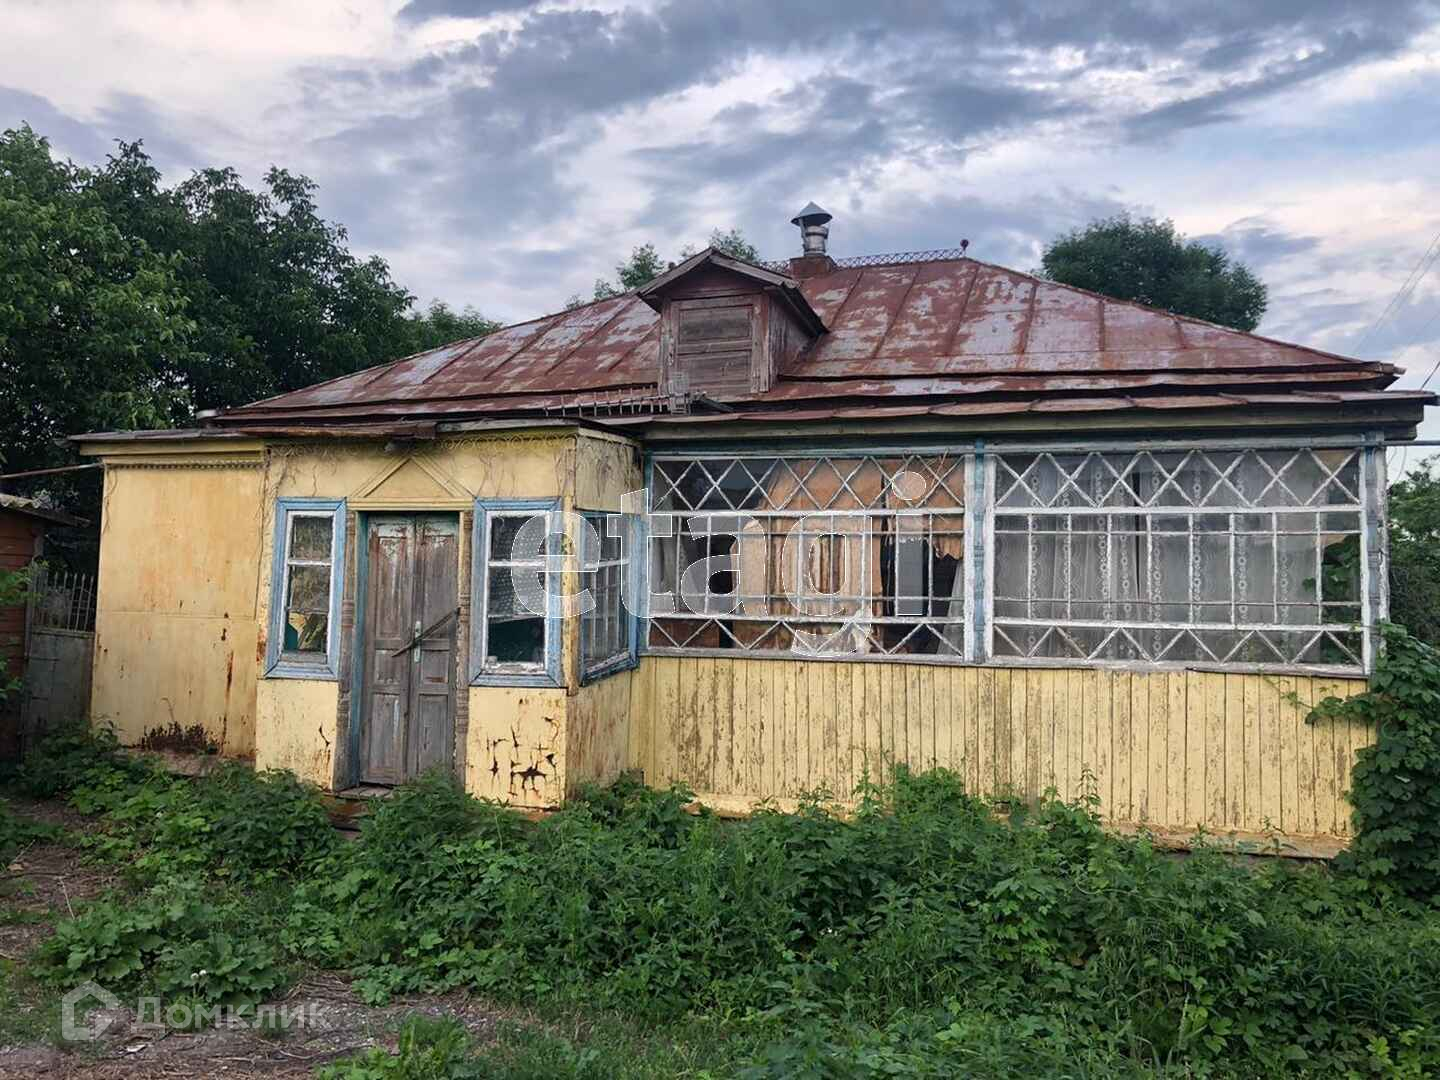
x: 923, y: 935
x: 126, y: 304
x: 924, y: 907
x: 175, y: 939
x: 645, y: 264
x: 430, y: 1048
x: 17, y: 833
x: 1414, y: 506
x: 94, y: 326
x: 13, y: 584
x: 76, y: 756
x: 1395, y: 785
x: 440, y: 324
x: 1149, y: 262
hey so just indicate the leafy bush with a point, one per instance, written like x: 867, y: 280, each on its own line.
x: 17, y: 833
x: 924, y: 935
x: 174, y: 940
x: 1395, y: 784
x: 76, y: 756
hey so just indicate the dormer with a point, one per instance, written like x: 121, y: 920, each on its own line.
x: 727, y: 326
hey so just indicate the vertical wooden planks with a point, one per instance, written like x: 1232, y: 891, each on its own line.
x: 1305, y: 754
x: 1140, y: 747
x: 1004, y: 688
x: 1287, y: 728
x: 1195, y: 726
x: 1326, y: 774
x: 1121, y: 745
x: 1104, y: 744
x: 985, y: 731
x: 844, y: 775
x: 1268, y: 719
x: 877, y: 744
x: 1074, y: 735
x: 1213, y: 734
x: 1037, y: 731
x: 1235, y: 813
x: 1157, y: 784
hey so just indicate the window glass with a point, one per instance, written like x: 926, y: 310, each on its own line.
x: 514, y: 633
x: 308, y: 566
x: 1214, y: 557
x: 857, y: 555
x: 605, y: 626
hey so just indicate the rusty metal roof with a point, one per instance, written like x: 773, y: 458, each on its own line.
x: 946, y: 336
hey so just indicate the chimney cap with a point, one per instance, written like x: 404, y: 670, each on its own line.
x: 811, y: 215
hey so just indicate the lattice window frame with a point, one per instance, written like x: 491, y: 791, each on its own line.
x: 989, y: 639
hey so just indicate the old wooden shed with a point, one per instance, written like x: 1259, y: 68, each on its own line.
x: 760, y: 528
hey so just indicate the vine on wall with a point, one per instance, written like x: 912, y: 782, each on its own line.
x: 1395, y: 786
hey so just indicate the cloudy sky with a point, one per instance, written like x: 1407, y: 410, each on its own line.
x: 505, y: 154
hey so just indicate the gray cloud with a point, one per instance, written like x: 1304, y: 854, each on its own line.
x: 422, y: 10
x: 472, y: 150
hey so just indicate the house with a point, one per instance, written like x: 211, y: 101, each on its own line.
x: 910, y: 508
x: 23, y: 524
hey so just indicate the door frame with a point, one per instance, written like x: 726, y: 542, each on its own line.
x: 355, y: 640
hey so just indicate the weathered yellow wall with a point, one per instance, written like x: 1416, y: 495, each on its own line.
x: 295, y: 728
x: 516, y: 746
x: 599, y: 726
x: 1169, y: 749
x: 516, y: 737
x: 176, y: 633
x: 598, y: 723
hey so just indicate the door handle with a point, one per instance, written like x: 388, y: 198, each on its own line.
x: 421, y: 635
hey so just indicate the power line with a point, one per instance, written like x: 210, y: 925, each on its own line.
x: 1406, y: 290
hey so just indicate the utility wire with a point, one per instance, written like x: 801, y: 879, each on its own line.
x: 1406, y: 290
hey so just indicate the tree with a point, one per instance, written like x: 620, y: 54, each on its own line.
x: 645, y: 264
x: 441, y: 324
x: 1149, y: 262
x: 125, y: 304
x: 1415, y: 551
x: 95, y: 331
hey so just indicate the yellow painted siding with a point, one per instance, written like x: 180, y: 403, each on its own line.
x: 295, y: 728
x: 516, y: 750
x: 176, y: 633
x: 1174, y: 750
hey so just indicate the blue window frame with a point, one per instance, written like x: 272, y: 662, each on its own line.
x: 306, y: 577
x: 609, y: 630
x: 511, y: 642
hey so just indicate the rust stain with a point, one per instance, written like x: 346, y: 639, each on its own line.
x: 934, y: 332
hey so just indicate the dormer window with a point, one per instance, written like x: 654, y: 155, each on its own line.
x: 727, y: 326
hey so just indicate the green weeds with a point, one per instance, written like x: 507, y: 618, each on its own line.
x: 922, y: 936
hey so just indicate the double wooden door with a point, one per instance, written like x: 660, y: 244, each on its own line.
x: 408, y: 646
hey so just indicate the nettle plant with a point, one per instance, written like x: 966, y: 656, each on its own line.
x: 1395, y: 786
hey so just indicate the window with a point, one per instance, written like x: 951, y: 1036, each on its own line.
x: 1198, y: 556
x: 605, y: 638
x: 1261, y: 558
x: 516, y: 638
x: 305, y: 589
x: 814, y: 555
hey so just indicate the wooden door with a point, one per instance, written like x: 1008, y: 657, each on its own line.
x: 408, y: 646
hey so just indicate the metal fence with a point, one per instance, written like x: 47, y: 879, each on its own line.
x: 61, y: 600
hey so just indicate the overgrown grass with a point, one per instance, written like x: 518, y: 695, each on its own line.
x: 921, y: 936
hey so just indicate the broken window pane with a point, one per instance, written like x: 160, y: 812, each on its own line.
x: 513, y: 634
x: 843, y: 554
x: 307, y: 610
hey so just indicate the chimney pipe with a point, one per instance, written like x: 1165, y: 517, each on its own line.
x: 814, y: 234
